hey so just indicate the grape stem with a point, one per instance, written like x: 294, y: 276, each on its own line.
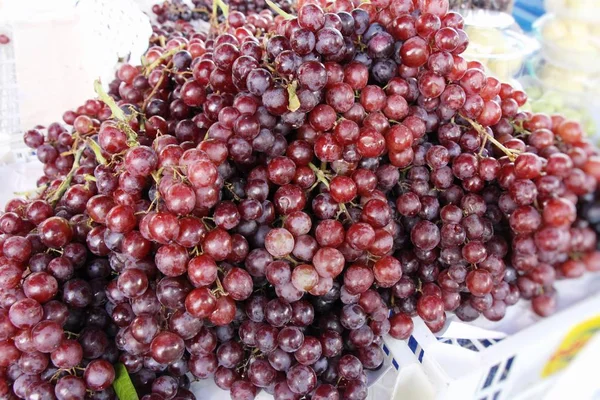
x: 109, y: 101
x: 220, y: 291
x: 485, y: 138
x: 117, y: 113
x: 509, y: 152
x: 278, y: 10
x: 294, y: 102
x: 67, y: 182
x: 319, y: 174
x: 97, y: 151
x: 520, y: 130
x: 155, y: 88
x: 344, y: 210
x: 291, y: 259
x: 229, y: 186
x: 162, y: 57
x: 35, y: 192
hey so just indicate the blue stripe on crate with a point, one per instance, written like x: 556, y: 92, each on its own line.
x: 483, y: 398
x: 496, y: 395
x: 386, y: 350
x: 412, y: 344
x: 507, y: 368
x: 490, y: 377
x: 486, y: 343
x: 395, y: 364
x: 421, y: 354
x: 467, y: 344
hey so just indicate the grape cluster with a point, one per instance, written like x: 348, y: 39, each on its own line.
x: 261, y: 205
x: 176, y: 10
x: 4, y: 39
x: 247, y: 7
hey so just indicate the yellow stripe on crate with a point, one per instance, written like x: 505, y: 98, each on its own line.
x: 571, y: 345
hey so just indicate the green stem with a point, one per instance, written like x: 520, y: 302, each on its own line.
x: 344, y: 210
x: 162, y: 57
x: 509, y: 152
x: 36, y: 192
x: 67, y: 182
x: 319, y: 174
x: 117, y: 113
x: 97, y: 151
x: 278, y: 10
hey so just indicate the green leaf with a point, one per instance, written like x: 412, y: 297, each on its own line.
x: 294, y: 101
x: 123, y: 385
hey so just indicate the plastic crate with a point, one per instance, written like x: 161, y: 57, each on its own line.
x: 517, y: 358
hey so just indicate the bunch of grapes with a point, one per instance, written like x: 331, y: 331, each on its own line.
x: 261, y: 205
x: 177, y: 10
x: 248, y: 7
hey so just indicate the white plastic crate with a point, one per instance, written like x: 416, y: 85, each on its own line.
x: 519, y: 357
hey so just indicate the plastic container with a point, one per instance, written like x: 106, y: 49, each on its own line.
x: 570, y: 43
x: 518, y: 358
x: 576, y: 85
x: 492, y: 5
x: 576, y: 9
x: 497, y: 42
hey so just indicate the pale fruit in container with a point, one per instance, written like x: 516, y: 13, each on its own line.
x: 574, y: 35
x: 572, y: 6
x: 569, y: 80
x: 495, y: 50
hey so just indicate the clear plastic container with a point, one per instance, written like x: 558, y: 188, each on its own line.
x: 588, y: 10
x: 498, y: 43
x: 550, y: 93
x: 570, y: 43
x: 492, y: 5
x: 577, y: 83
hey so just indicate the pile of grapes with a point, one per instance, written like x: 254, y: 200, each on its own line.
x: 177, y: 10
x: 262, y: 204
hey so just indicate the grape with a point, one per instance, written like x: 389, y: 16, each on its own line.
x: 301, y: 379
x: 69, y: 387
x: 166, y: 347
x: 99, y: 375
x: 276, y: 183
x: 401, y: 326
